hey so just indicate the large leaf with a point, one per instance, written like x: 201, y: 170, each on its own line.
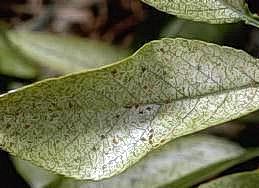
x: 241, y: 180
x: 95, y: 124
x: 211, y: 11
x: 181, y: 163
x: 64, y: 54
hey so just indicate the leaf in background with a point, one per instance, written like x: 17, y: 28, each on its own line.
x: 64, y: 54
x: 240, y: 180
x: 181, y: 163
x: 95, y: 124
x: 192, y: 30
x: 13, y: 63
x: 211, y: 11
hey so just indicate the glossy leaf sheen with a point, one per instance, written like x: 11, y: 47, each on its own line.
x: 95, y: 124
x: 211, y: 11
x: 181, y: 163
x: 241, y: 180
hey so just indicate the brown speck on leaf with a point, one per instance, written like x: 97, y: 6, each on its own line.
x: 102, y: 137
x: 27, y: 126
x: 143, y: 139
x: 70, y: 105
x: 150, y: 142
x: 150, y: 137
x: 143, y: 69
x: 8, y: 126
x: 94, y: 148
x: 162, y: 50
x: 114, y: 71
x: 115, y: 141
x: 145, y: 87
x: 117, y: 116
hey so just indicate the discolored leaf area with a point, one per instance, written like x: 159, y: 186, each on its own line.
x: 211, y: 11
x: 95, y: 124
x: 241, y: 180
x: 172, y: 165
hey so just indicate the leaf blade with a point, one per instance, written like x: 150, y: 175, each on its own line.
x: 111, y: 117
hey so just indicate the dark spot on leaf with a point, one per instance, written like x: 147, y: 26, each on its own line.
x: 141, y: 112
x: 145, y: 87
x: 162, y: 50
x: 70, y: 105
x: 117, y: 116
x: 150, y: 142
x: 114, y: 71
x: 27, y: 126
x: 136, y: 105
x: 143, y: 69
x: 127, y: 106
x: 148, y: 108
x: 102, y: 137
x: 115, y: 141
x: 151, y: 130
x: 143, y: 139
x: 94, y: 148
x: 8, y: 126
x: 150, y: 137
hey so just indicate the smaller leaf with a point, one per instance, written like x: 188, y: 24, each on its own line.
x: 64, y: 54
x: 181, y: 163
x: 211, y: 11
x: 240, y: 180
x: 13, y: 63
x: 192, y: 30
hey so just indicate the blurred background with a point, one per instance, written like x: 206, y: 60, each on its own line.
x: 127, y: 25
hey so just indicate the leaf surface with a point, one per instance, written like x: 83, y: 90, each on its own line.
x: 95, y: 124
x: 181, y: 163
x: 211, y: 11
x: 240, y: 180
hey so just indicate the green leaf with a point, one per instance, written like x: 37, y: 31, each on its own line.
x: 240, y: 180
x: 64, y: 54
x: 181, y: 163
x: 211, y: 11
x: 192, y: 30
x: 95, y: 124
x: 13, y: 63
